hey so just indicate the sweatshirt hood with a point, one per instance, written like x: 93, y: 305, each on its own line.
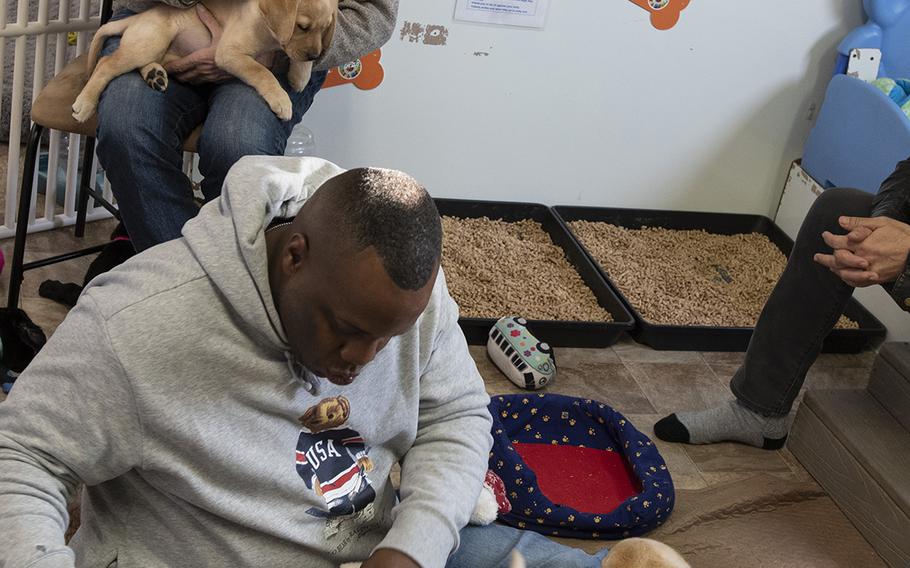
x: 227, y: 237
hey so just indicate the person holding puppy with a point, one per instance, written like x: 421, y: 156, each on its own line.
x: 849, y: 239
x: 141, y: 130
x: 239, y: 396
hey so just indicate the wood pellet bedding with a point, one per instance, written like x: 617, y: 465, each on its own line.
x: 496, y: 268
x: 688, y: 277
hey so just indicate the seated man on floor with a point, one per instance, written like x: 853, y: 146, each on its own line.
x: 849, y: 239
x: 238, y: 396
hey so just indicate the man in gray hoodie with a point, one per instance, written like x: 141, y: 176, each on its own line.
x: 238, y: 397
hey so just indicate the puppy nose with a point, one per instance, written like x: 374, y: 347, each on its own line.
x: 312, y: 55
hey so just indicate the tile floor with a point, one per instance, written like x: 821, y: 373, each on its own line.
x: 642, y: 383
x: 645, y: 385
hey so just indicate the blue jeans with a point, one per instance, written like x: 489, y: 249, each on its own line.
x: 141, y: 133
x: 490, y: 547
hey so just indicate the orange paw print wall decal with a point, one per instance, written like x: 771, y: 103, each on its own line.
x: 365, y: 73
x: 664, y: 13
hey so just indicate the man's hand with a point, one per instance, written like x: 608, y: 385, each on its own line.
x: 874, y: 250
x: 199, y: 66
x: 389, y: 558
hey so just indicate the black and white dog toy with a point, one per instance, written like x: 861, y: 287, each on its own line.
x: 528, y: 362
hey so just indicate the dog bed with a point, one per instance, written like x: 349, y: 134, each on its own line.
x: 577, y: 468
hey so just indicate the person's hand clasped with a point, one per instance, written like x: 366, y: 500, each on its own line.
x: 199, y: 66
x: 874, y: 250
x: 389, y: 558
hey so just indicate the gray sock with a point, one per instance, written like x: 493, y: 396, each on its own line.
x: 730, y: 421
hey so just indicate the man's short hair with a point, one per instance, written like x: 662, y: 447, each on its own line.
x: 391, y: 212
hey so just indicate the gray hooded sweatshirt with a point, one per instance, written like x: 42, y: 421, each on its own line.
x: 168, y: 392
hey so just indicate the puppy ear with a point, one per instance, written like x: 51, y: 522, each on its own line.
x: 329, y: 33
x: 281, y: 17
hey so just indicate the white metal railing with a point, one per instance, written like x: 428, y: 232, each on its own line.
x: 58, y: 33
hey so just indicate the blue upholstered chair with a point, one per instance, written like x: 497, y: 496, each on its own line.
x: 860, y: 134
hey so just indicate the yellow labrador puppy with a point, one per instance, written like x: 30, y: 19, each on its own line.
x: 302, y: 29
x: 628, y: 553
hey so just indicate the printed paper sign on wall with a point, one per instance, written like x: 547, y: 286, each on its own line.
x: 532, y: 13
x: 523, y: 13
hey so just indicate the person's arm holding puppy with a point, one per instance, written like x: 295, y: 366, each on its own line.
x: 362, y: 26
x: 199, y: 66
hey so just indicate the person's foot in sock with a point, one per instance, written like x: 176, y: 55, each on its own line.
x: 729, y: 422
x: 114, y: 253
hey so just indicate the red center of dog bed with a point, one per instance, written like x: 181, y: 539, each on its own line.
x: 585, y: 479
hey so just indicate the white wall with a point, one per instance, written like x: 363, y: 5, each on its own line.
x: 599, y: 108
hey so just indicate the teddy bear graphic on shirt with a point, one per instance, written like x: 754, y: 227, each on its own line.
x: 332, y: 459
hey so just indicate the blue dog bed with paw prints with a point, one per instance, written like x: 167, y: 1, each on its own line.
x: 577, y: 468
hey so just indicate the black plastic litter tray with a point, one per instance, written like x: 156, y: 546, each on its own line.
x: 712, y: 338
x: 556, y: 333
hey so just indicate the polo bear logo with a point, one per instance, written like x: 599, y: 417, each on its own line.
x: 332, y: 458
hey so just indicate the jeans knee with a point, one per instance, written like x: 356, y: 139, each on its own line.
x: 826, y: 211
x: 122, y: 131
x: 120, y: 140
x: 222, y: 145
x: 115, y: 135
x: 842, y: 201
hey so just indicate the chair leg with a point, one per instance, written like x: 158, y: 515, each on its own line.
x: 25, y: 202
x: 84, y: 180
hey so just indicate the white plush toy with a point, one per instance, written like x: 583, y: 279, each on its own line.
x: 527, y: 362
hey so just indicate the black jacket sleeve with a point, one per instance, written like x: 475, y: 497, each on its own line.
x: 893, y: 200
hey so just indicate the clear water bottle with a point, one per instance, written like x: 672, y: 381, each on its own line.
x: 301, y: 142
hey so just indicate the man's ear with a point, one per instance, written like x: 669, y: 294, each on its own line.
x: 295, y: 253
x: 280, y: 16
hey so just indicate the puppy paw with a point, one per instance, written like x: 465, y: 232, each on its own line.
x: 280, y: 103
x: 299, y: 75
x: 155, y: 77
x: 83, y: 108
